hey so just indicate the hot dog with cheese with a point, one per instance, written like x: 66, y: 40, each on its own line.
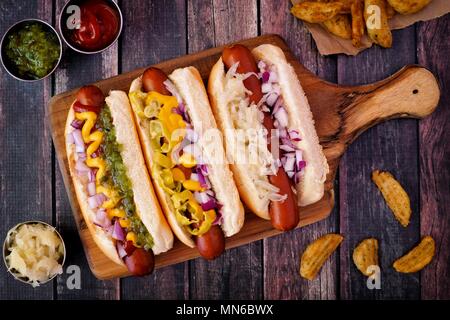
x: 175, y: 125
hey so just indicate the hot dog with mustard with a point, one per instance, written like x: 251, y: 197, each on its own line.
x: 111, y: 181
x: 179, y: 136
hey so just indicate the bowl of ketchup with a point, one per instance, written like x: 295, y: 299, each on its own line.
x: 90, y: 26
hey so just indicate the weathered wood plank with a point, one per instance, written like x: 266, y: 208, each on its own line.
x: 390, y: 146
x: 76, y: 70
x: 154, y: 31
x: 25, y: 151
x: 433, y: 49
x: 237, y: 274
x: 282, y: 253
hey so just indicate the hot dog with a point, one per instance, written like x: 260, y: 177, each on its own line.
x: 283, y: 214
x: 259, y: 90
x: 200, y: 204
x: 106, y: 164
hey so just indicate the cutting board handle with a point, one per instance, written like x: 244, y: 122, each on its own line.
x: 346, y: 112
x: 412, y: 92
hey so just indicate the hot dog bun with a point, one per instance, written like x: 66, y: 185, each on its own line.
x: 310, y: 189
x: 311, y: 186
x: 147, y: 206
x: 192, y: 90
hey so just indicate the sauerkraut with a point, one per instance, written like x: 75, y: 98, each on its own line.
x: 248, y: 143
x: 35, y: 253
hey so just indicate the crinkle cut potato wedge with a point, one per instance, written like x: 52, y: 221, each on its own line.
x: 365, y: 255
x: 418, y: 258
x: 317, y: 253
x: 396, y: 197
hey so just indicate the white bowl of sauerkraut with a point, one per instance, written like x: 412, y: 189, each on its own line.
x: 34, y: 252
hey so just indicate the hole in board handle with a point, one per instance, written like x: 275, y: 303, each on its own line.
x: 415, y: 91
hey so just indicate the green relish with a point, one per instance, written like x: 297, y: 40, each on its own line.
x: 33, y: 51
x: 116, y: 178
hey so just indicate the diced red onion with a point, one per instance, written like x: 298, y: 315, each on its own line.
x: 96, y: 200
x: 121, y: 250
x: 282, y: 133
x: 290, y: 174
x: 201, y: 197
x: 118, y: 232
x: 210, y: 204
x: 271, y: 99
x: 82, y: 156
x: 278, y: 105
x: 194, y: 177
x: 301, y: 165
x: 266, y: 87
x: 289, y: 165
x: 101, y: 219
x: 77, y: 124
x: 276, y: 88
x: 286, y: 148
x: 203, y: 169
x: 265, y: 76
x: 91, y: 175
x: 91, y: 188
x: 288, y: 142
x: 81, y: 166
x: 210, y: 193
x: 282, y: 117
x: 202, y: 180
x: 294, y: 135
x: 273, y: 77
x: 78, y: 138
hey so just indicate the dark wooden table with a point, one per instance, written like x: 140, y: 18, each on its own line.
x: 417, y: 152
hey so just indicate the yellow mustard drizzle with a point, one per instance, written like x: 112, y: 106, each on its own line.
x: 95, y: 139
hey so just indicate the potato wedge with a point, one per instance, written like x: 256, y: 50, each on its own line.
x: 390, y: 11
x: 396, y: 197
x: 377, y: 22
x: 408, y: 6
x: 365, y: 255
x: 357, y: 11
x: 317, y: 253
x: 339, y: 25
x: 418, y: 258
x: 316, y: 12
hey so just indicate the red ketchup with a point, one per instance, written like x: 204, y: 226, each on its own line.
x: 99, y: 25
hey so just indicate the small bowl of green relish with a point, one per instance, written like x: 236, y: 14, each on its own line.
x: 31, y: 50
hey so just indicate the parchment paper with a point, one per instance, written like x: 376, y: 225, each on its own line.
x: 330, y: 44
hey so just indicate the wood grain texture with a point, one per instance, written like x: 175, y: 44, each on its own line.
x: 25, y: 152
x: 157, y: 33
x: 77, y: 69
x: 391, y: 146
x: 237, y: 274
x: 282, y: 253
x: 433, y: 50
